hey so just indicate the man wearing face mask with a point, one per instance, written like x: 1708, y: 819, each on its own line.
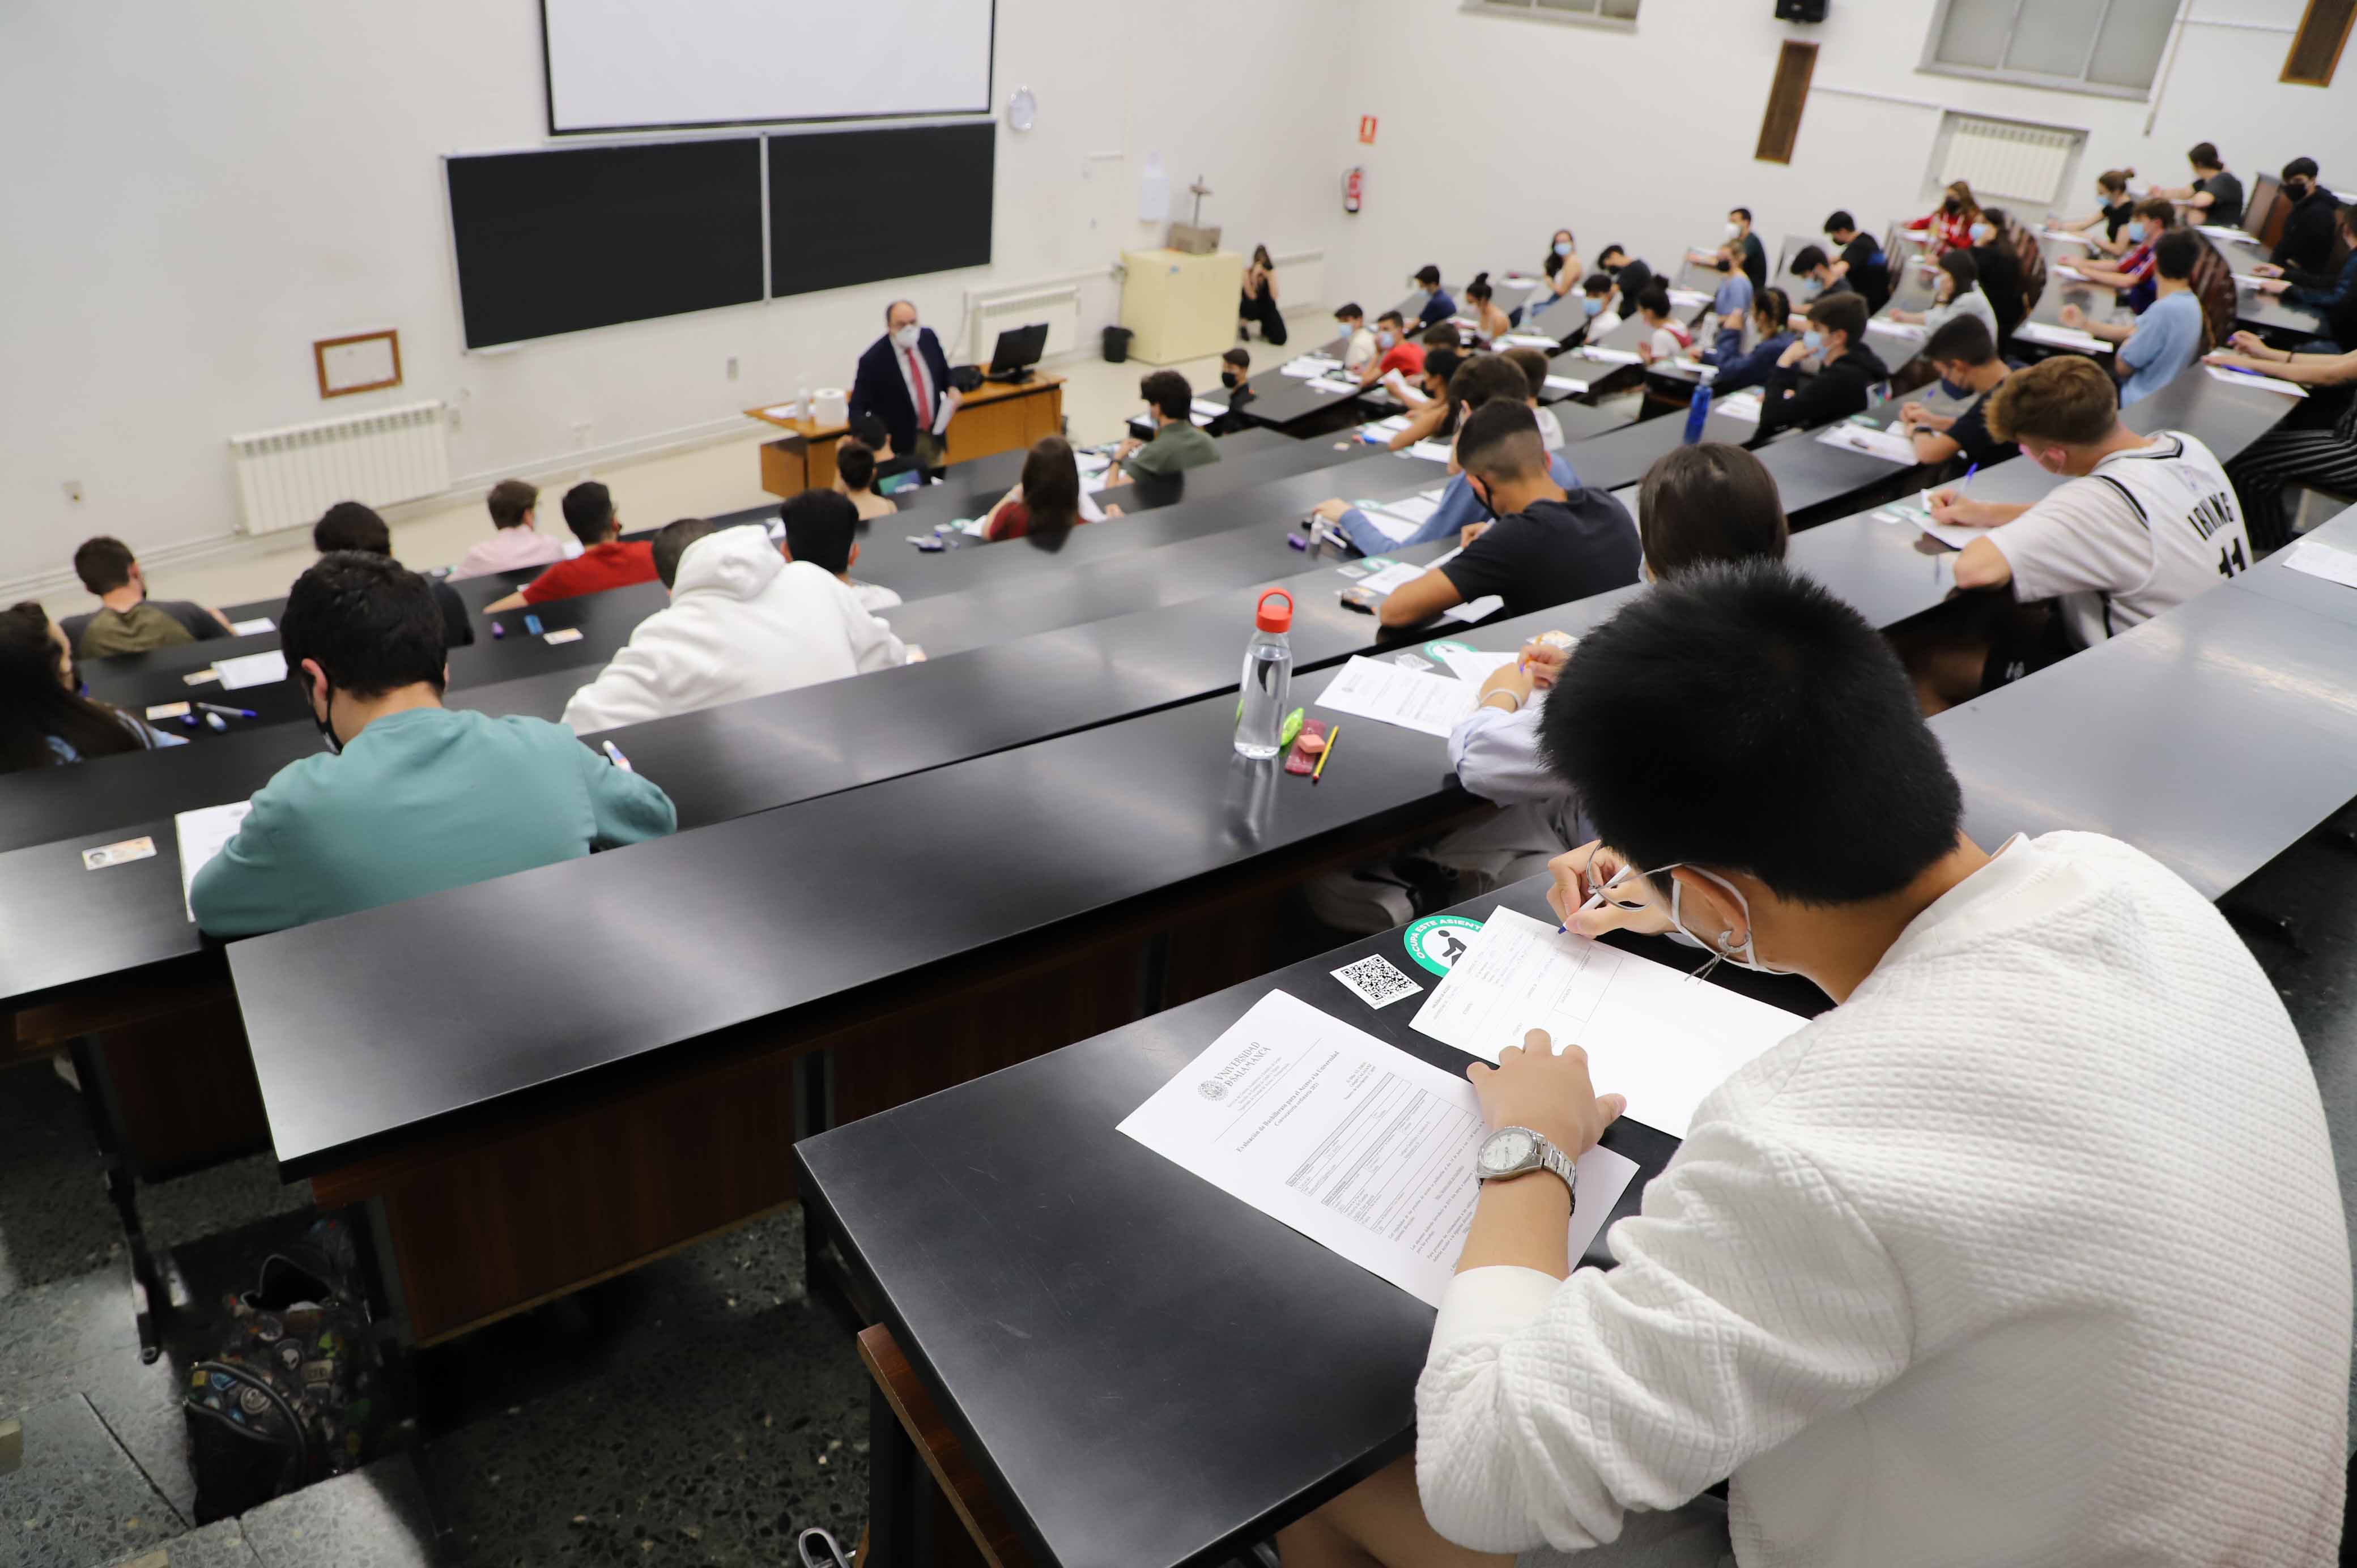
x: 412, y: 797
x: 1935, y: 1279
x: 2307, y: 231
x: 1392, y: 350
x: 1848, y: 370
x: 1549, y: 545
x: 904, y: 380
x: 1750, y: 256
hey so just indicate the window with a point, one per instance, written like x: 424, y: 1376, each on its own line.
x: 1621, y: 12
x: 2108, y: 47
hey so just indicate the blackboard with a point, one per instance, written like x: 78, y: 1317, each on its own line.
x: 853, y: 206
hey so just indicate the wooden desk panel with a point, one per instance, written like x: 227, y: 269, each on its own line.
x: 996, y: 416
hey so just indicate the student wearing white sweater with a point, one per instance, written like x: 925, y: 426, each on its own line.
x: 743, y: 621
x: 2029, y: 1252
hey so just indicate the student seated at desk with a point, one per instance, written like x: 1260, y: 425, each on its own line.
x: 348, y: 525
x: 1480, y: 381
x: 1666, y: 336
x: 1601, y: 304
x: 2332, y: 294
x: 855, y: 478
x: 1359, y: 347
x: 1535, y: 368
x: 1049, y: 500
x: 1955, y: 291
x: 2168, y: 335
x: 1177, y: 445
x: 1730, y: 305
x: 2113, y: 207
x: 1818, y: 279
x: 828, y: 537
x: 2133, y: 276
x: 2320, y: 459
x: 1964, y: 355
x: 410, y: 798
x: 1772, y: 316
x: 44, y: 721
x: 126, y: 619
x: 1490, y: 323
x: 1561, y: 268
x: 1630, y: 278
x: 2215, y: 197
x: 2306, y: 244
x: 606, y: 561
x: 1549, y: 545
x: 743, y: 621
x: 1951, y: 228
x: 2145, y: 523
x: 514, y: 542
x: 896, y: 474
x: 1430, y: 415
x: 1860, y: 264
x: 1431, y: 302
x: 1394, y: 352
x: 1936, y: 1279
x: 1846, y: 374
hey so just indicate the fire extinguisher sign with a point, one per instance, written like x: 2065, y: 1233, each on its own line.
x: 1367, y: 130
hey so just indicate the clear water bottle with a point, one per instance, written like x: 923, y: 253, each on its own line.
x: 1269, y: 676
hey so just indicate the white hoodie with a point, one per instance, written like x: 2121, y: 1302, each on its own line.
x: 743, y: 621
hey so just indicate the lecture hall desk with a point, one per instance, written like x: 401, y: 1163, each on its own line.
x: 996, y: 416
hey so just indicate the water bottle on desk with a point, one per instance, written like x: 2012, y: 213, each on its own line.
x: 1269, y: 676
x: 1697, y: 411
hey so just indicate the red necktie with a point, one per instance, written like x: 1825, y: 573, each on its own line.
x: 924, y: 394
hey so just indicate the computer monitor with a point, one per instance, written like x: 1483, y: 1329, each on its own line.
x: 1019, y: 350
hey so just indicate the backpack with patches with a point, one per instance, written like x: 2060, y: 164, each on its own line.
x: 294, y: 1396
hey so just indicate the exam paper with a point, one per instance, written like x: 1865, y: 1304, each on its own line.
x: 1690, y: 298
x: 1398, y: 529
x: 941, y: 419
x: 1412, y: 699
x: 201, y: 834
x: 1353, y: 1143
x: 1417, y: 508
x: 252, y: 669
x: 1432, y: 451
x: 1745, y: 404
x: 1696, y: 368
x: 1526, y: 340
x: 1611, y: 356
x: 2063, y: 337
x: 1568, y: 385
x: 1472, y: 610
x: 2317, y: 559
x: 2217, y: 232
x: 1205, y: 408
x: 1389, y: 576
x: 2234, y: 378
x: 1912, y: 331
x: 1473, y: 664
x: 1662, y: 1038
x: 1333, y: 385
x: 1887, y: 444
x: 251, y: 628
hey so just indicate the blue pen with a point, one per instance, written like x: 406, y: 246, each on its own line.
x: 1967, y: 482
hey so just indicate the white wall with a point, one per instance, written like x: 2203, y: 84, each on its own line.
x: 200, y: 191
x: 1645, y: 139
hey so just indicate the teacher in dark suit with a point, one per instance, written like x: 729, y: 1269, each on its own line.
x: 904, y: 380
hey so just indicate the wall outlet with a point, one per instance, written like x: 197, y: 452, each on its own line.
x: 732, y: 367
x: 581, y: 433
x: 74, y: 492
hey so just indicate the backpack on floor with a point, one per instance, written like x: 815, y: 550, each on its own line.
x: 292, y: 1397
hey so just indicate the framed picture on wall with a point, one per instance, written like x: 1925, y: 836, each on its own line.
x: 364, y: 362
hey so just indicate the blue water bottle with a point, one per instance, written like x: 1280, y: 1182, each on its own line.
x: 1696, y: 411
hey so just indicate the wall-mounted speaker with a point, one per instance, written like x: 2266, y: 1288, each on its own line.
x: 1800, y: 10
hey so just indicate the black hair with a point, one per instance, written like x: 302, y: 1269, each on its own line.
x: 1241, y: 357
x: 1051, y: 487
x: 1709, y: 503
x: 1428, y: 275
x: 589, y: 511
x: 856, y: 464
x: 1534, y: 365
x: 2204, y: 155
x: 1655, y: 296
x: 1260, y: 258
x: 1487, y: 378
x: 672, y: 541
x: 348, y: 525
x: 1443, y: 335
x: 372, y: 624
x: 103, y: 563
x: 1807, y: 259
x: 1597, y: 284
x: 1349, y: 312
x: 36, y: 702
x: 2298, y: 168
x: 1742, y: 213
x: 511, y: 501
x: 2176, y: 251
x: 1442, y: 363
x: 1998, y: 219
x: 1604, y: 257
x: 1479, y: 288
x: 821, y: 527
x: 1841, y: 223
x: 868, y: 430
x: 1168, y: 392
x: 1961, y: 339
x: 1741, y: 718
x: 1959, y: 266
x: 1501, y: 438
x: 1843, y: 313
x: 1774, y: 304
x: 1391, y: 315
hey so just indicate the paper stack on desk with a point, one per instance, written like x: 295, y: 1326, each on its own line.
x: 252, y: 669
x: 1347, y: 1139
x: 1888, y: 444
x: 1412, y: 699
x: 1912, y: 331
x: 1612, y: 356
x: 1309, y: 365
x: 1744, y: 405
x: 1568, y: 385
x: 2234, y: 378
x: 2063, y: 337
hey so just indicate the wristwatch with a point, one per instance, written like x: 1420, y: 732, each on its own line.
x: 1517, y: 1151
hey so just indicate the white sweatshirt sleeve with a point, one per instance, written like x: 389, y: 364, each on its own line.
x: 629, y: 690
x: 873, y: 644
x: 1751, y: 1300
x: 1496, y: 755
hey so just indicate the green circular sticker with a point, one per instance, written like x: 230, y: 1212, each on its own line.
x: 1435, y: 651
x: 1437, y: 941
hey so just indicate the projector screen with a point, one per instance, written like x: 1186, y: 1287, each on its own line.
x: 632, y: 65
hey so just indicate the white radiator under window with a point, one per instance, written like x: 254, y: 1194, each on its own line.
x: 285, y: 479
x: 1058, y: 306
x: 2000, y: 157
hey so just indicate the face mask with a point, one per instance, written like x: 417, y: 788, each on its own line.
x: 1488, y: 511
x: 1385, y: 339
x: 1563, y: 247
x: 2136, y: 230
x: 1983, y: 233
x: 1592, y: 306
x: 1725, y: 265
x: 1812, y: 339
x: 327, y: 730
x: 1812, y: 288
x: 906, y: 337
x: 1230, y: 379
x: 1741, y: 955
x: 1950, y: 206
x: 1733, y: 230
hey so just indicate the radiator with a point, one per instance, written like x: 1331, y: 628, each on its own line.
x: 1997, y: 158
x: 285, y: 479
x: 1059, y: 305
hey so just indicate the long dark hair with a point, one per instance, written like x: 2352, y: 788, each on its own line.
x: 35, y: 704
x: 1051, y: 488
x: 1708, y: 502
x: 1262, y: 258
x: 1554, y: 261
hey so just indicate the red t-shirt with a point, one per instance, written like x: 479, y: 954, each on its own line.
x: 613, y: 565
x: 1407, y: 358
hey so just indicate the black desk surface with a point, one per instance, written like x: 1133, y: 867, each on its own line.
x: 971, y: 488
x: 1123, y: 1354
x: 2211, y: 737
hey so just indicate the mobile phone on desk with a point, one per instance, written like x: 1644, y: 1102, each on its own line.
x: 1359, y: 599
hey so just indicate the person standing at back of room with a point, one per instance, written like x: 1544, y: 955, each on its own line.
x: 514, y: 542
x: 410, y: 798
x: 126, y: 619
x: 348, y: 525
x: 606, y: 560
x: 903, y: 379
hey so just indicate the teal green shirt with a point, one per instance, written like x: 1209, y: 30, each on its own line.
x: 419, y: 801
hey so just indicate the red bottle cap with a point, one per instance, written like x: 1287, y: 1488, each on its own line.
x: 1268, y: 619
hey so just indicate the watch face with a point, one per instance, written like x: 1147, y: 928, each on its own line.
x: 1508, y: 1149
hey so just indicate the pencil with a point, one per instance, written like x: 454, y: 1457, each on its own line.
x: 1315, y: 772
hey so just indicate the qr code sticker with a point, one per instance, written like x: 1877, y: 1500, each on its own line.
x: 1376, y: 981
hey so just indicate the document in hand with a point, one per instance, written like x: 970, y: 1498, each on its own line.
x: 1412, y: 699
x: 203, y: 834
x: 1662, y: 1038
x: 1347, y: 1139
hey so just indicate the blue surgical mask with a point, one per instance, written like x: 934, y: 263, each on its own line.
x: 1385, y: 338
x: 1813, y: 339
x: 1592, y: 306
x: 1563, y: 247
x: 1814, y: 287
x: 2135, y: 231
x: 1983, y: 233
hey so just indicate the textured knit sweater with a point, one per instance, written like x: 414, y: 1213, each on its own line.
x: 2029, y: 1253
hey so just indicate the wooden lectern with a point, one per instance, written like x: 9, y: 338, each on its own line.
x: 996, y: 416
